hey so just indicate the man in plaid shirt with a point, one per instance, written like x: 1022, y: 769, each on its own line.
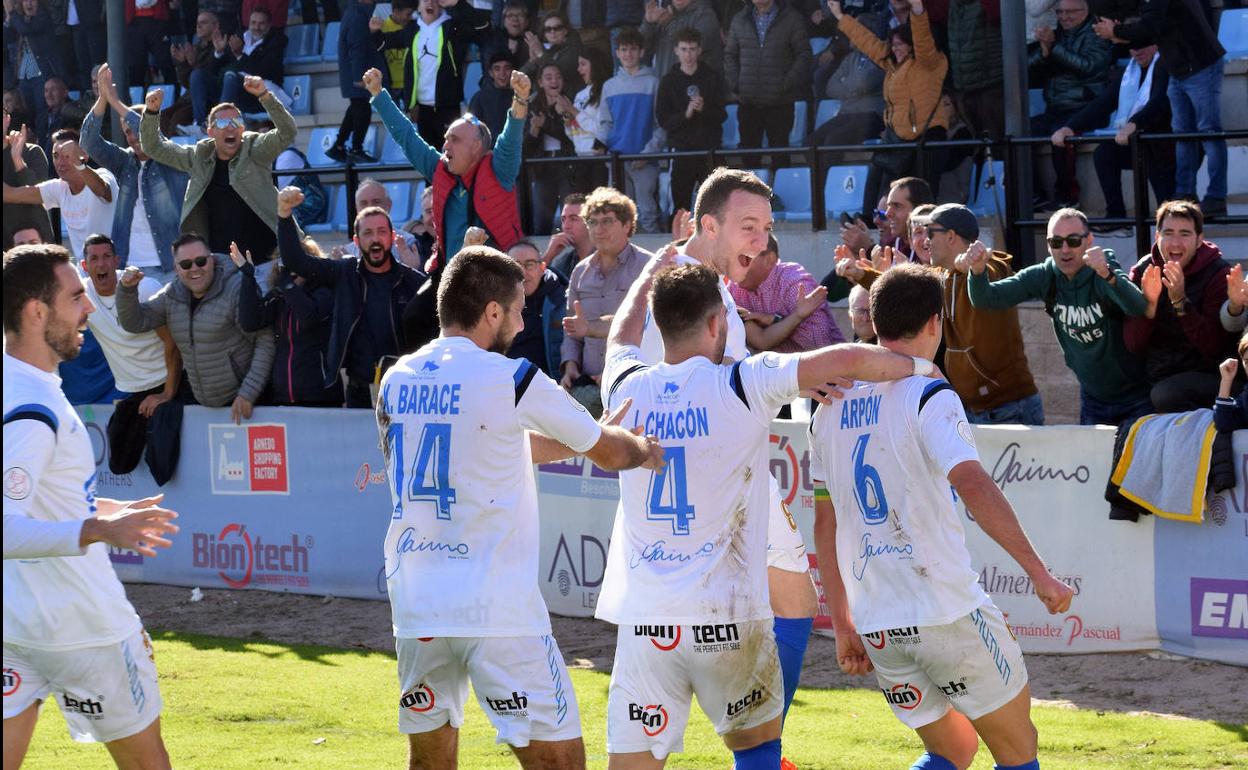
x: 783, y: 306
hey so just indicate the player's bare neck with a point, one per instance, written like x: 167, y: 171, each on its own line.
x: 31, y: 350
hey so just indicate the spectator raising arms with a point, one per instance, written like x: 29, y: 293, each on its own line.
x: 25, y: 164
x: 767, y: 63
x: 547, y: 137
x: 230, y: 197
x: 149, y: 195
x: 225, y: 364
x: 436, y: 59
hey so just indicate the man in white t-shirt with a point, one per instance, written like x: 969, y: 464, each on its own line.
x: 686, y: 577
x: 899, y: 584
x: 732, y: 215
x: 84, y: 195
x: 69, y: 631
x: 461, y: 426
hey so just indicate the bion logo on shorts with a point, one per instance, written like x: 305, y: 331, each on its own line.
x: 662, y: 637
x: 903, y: 696
x: 12, y: 681
x: 653, y: 718
x: 418, y: 699
x: 240, y: 560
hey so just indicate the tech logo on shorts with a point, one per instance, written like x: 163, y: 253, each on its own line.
x: 91, y: 709
x: 653, y: 718
x: 12, y: 681
x: 515, y: 706
x: 877, y: 639
x: 664, y: 638
x: 903, y: 696
x: 419, y: 699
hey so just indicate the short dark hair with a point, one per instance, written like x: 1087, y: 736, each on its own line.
x: 96, y: 239
x: 682, y: 297
x: 689, y: 35
x: 30, y: 273
x: 525, y: 243
x: 263, y: 10
x: 64, y: 135
x: 370, y: 211
x: 574, y: 199
x: 189, y: 237
x: 919, y: 190
x: 719, y: 186
x: 903, y: 299
x: 1183, y: 209
x: 475, y: 277
x: 630, y: 36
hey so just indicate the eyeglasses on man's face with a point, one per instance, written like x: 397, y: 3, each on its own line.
x: 200, y: 261
x: 1074, y: 241
x: 224, y: 123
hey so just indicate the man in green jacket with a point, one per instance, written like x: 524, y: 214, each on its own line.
x: 1088, y: 295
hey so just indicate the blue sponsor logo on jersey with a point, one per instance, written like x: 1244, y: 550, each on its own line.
x: 429, y: 366
x: 670, y: 387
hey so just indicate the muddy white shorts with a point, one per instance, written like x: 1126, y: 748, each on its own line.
x: 973, y: 664
x: 520, y: 682
x: 733, y: 668
x: 785, y: 548
x: 106, y: 693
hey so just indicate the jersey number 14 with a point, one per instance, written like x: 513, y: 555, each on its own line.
x: 431, y: 469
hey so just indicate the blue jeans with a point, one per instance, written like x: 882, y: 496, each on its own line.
x: 1093, y: 411
x: 1195, y: 105
x: 1025, y: 411
x: 205, y: 92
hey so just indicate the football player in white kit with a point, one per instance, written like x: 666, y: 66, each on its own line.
x: 732, y: 216
x: 69, y: 631
x: 904, y: 599
x: 686, y: 570
x: 459, y: 425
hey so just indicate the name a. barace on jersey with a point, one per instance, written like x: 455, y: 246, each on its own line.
x: 422, y: 399
x: 683, y: 423
x: 860, y: 412
x: 870, y: 550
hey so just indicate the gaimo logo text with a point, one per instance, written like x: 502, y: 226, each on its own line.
x: 241, y: 560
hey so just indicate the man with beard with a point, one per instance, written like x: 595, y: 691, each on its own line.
x: 461, y: 427
x: 69, y: 630
x: 732, y: 214
x: 370, y: 292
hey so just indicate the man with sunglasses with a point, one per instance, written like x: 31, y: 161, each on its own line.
x: 226, y: 366
x: 230, y: 196
x: 1088, y: 297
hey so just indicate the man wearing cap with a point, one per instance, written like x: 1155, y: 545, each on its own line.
x: 149, y: 195
x: 984, y: 356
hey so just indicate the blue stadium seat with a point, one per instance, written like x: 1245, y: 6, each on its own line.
x: 137, y: 95
x: 665, y: 193
x: 303, y: 44
x: 797, y: 137
x: 472, y: 80
x: 184, y: 141
x: 762, y: 173
x: 792, y: 192
x: 987, y: 197
x: 817, y: 44
x: 732, y: 137
x: 418, y: 189
x: 1233, y: 32
x: 827, y: 109
x: 390, y: 151
x: 337, y: 194
x: 329, y: 48
x: 322, y: 138
x: 1035, y: 101
x: 842, y: 190
x: 75, y: 95
x: 400, y: 201
x: 299, y: 89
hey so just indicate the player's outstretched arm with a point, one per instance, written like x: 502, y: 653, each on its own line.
x: 630, y: 320
x: 850, y: 654
x: 996, y: 517
x: 545, y: 449
x: 620, y: 450
x: 139, y: 529
x: 857, y: 362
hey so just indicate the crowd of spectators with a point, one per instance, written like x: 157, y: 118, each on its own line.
x: 208, y: 289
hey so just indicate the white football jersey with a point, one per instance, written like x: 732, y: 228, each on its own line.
x: 652, y: 340
x: 884, y: 453
x: 461, y: 551
x: 56, y: 595
x: 689, y: 543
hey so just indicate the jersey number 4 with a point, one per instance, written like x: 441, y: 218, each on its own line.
x: 431, y: 469
x: 669, y: 495
x: 868, y: 489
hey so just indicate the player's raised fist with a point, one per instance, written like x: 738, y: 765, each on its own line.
x: 372, y: 81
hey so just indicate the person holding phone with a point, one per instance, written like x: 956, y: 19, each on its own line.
x: 690, y: 108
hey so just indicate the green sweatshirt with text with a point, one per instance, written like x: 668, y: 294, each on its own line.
x: 1087, y: 317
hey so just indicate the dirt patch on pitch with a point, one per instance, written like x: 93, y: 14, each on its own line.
x: 1126, y: 682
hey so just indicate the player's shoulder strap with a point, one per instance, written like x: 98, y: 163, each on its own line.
x: 930, y: 390
x: 36, y: 412
x: 523, y: 377
x: 734, y: 377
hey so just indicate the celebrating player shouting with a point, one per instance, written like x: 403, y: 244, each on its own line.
x: 884, y: 458
x: 461, y: 551
x: 68, y: 628
x: 686, y: 577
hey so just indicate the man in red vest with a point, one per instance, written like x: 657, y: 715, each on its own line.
x: 467, y: 190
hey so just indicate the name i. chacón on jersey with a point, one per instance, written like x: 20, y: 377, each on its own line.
x: 423, y: 399
x: 679, y: 424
